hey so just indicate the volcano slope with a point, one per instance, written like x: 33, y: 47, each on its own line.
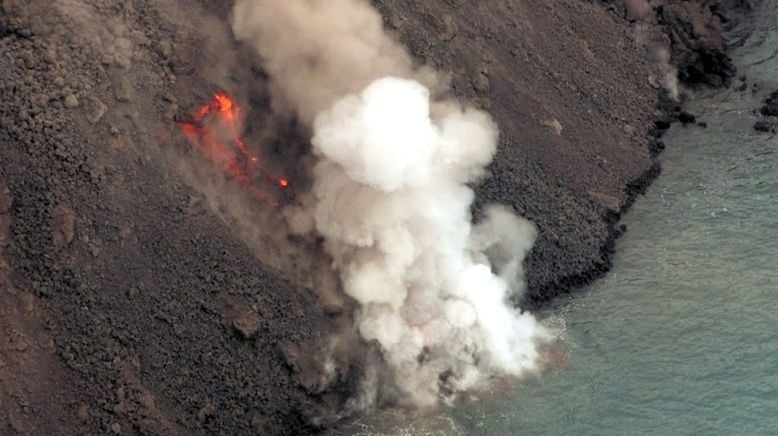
x: 144, y: 293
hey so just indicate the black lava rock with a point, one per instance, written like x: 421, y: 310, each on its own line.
x: 3, y: 22
x: 770, y: 108
x: 686, y: 118
x: 766, y: 126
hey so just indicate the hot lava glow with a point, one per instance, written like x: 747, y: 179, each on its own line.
x: 214, y: 129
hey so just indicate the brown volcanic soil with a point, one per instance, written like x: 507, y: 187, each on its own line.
x: 134, y: 299
x: 569, y: 89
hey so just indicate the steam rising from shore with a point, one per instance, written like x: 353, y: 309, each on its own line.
x: 392, y: 201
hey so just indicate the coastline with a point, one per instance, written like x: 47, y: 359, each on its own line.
x: 698, y: 36
x: 136, y: 296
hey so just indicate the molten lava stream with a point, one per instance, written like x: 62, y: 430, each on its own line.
x: 214, y: 130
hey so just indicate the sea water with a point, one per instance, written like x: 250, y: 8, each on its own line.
x: 681, y: 337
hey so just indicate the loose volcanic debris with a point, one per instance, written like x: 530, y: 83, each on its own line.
x: 101, y: 236
x: 122, y: 262
x: 770, y: 108
x: 769, y: 124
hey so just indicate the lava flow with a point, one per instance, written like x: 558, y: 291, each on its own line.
x: 214, y: 129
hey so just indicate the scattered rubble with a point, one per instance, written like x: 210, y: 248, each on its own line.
x: 767, y: 126
x: 770, y: 108
x: 769, y: 112
x: 88, y: 90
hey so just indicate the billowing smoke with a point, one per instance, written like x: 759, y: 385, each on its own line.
x: 391, y: 198
x: 317, y: 51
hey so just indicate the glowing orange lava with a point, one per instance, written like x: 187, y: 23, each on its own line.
x: 215, y: 130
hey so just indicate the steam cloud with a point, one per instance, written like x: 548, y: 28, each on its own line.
x: 392, y: 201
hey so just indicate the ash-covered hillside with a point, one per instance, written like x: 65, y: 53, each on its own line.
x: 150, y: 281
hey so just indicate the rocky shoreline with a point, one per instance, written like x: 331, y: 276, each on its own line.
x: 143, y: 308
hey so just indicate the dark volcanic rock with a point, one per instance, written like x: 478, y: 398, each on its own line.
x: 686, y: 118
x: 730, y: 11
x: 696, y: 33
x: 769, y: 110
x: 698, y: 44
x: 3, y: 22
x: 770, y: 107
x: 127, y: 276
x: 563, y: 143
x: 766, y: 126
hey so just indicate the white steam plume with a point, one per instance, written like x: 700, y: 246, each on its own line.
x: 392, y: 201
x: 317, y: 51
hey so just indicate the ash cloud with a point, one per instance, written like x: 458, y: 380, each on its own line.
x: 391, y: 198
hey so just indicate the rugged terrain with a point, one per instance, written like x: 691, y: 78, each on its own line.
x: 134, y: 301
